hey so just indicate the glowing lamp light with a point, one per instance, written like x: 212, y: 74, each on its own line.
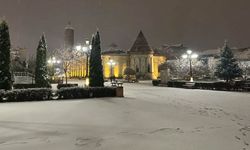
x: 85, y: 49
x: 78, y: 47
x: 87, y: 81
x: 184, y: 56
x: 189, y: 52
x: 194, y: 56
x: 111, y: 62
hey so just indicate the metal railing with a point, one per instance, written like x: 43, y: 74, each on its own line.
x: 23, y: 74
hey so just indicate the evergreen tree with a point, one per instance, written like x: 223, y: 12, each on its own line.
x: 227, y: 68
x: 5, y: 75
x: 95, y: 63
x: 41, y: 74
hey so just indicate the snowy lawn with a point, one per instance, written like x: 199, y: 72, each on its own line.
x: 148, y: 118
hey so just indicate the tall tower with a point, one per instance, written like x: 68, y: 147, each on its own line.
x: 69, y: 37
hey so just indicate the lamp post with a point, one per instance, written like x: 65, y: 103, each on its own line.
x: 111, y: 63
x: 190, y: 55
x: 86, y: 48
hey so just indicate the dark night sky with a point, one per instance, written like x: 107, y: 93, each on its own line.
x: 199, y: 24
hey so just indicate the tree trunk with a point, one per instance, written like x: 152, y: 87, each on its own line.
x: 66, y: 77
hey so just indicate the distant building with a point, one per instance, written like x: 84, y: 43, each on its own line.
x: 18, y: 54
x: 140, y: 57
x: 18, y: 59
x: 120, y: 57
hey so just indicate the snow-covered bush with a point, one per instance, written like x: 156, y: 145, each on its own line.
x: 24, y: 86
x: 78, y: 92
x: 178, y: 84
x: 156, y: 82
x: 1, y: 94
x: 59, y: 86
x: 27, y: 95
x: 72, y: 93
x: 27, y: 86
x: 102, y: 91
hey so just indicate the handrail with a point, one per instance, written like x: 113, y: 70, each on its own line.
x: 23, y: 74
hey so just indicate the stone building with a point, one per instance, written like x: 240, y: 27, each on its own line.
x: 140, y: 57
x: 18, y: 59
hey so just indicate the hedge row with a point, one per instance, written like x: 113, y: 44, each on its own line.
x: 156, y: 82
x: 26, y: 95
x: 179, y: 84
x: 66, y: 85
x: 38, y: 94
x: 77, y: 92
x: 26, y: 86
x: 236, y: 86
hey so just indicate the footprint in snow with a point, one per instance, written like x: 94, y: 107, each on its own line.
x: 96, y: 142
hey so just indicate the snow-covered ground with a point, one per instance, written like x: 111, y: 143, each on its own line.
x: 148, y: 118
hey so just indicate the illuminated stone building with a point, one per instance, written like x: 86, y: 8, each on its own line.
x: 140, y: 57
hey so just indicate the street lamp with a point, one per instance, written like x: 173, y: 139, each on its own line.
x: 111, y: 63
x: 52, y: 62
x: 190, y: 55
x: 86, y: 48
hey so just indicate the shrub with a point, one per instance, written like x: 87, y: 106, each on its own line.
x: 28, y: 86
x: 24, y: 86
x: 59, y: 86
x: 78, y: 92
x: 102, y: 91
x: 204, y: 85
x: 27, y: 95
x: 1, y: 94
x: 239, y: 85
x: 73, y: 92
x: 156, y: 82
x: 222, y: 86
x: 178, y: 84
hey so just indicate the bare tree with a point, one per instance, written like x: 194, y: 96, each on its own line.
x: 245, y: 66
x: 67, y: 58
x: 202, y: 68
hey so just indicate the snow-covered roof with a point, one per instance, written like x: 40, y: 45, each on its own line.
x: 239, y: 53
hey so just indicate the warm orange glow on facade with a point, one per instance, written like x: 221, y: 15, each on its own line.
x: 78, y: 69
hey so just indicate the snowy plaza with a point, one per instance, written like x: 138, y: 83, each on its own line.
x: 147, y: 118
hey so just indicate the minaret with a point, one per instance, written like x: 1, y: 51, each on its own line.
x: 69, y: 37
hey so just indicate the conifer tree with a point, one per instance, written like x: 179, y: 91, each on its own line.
x: 95, y: 64
x: 227, y: 67
x: 41, y: 74
x: 5, y: 75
